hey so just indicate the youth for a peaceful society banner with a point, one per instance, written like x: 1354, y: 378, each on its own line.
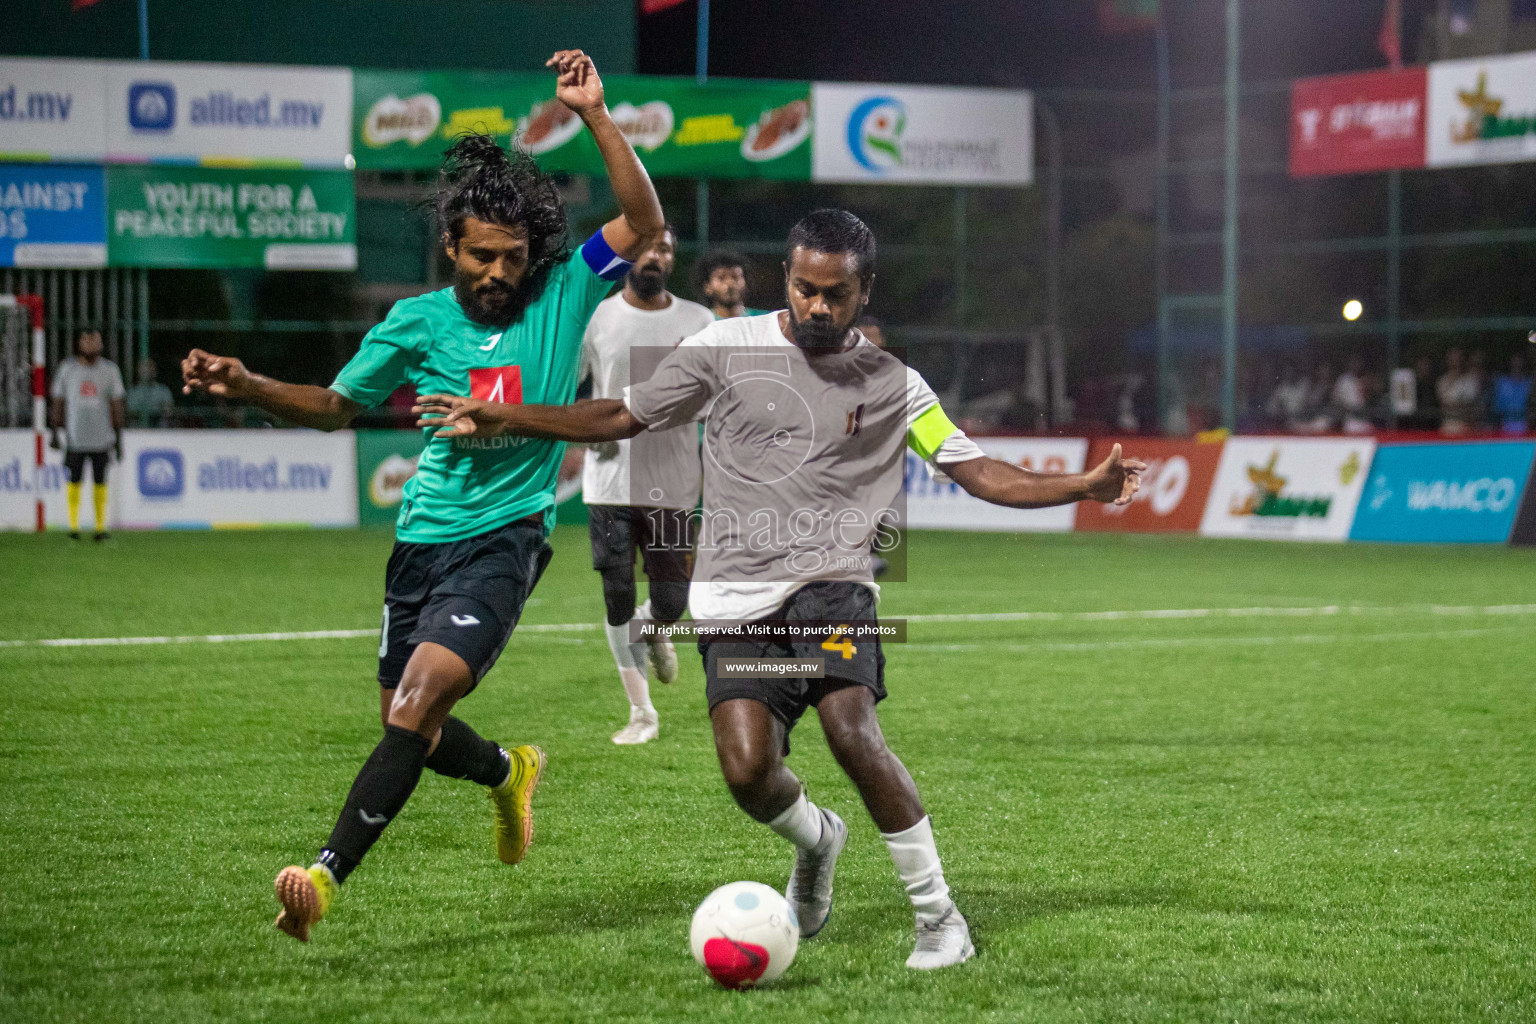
x: 52, y: 216
x: 1287, y: 488
x: 936, y: 505
x: 724, y: 129
x: 214, y: 217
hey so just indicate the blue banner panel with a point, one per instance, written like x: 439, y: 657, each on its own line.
x: 1444, y: 493
x: 52, y: 216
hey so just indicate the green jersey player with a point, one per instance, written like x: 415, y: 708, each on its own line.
x: 471, y: 536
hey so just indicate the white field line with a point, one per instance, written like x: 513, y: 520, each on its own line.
x: 1317, y: 611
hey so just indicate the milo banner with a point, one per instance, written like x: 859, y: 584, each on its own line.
x: 386, y: 459
x: 723, y: 129
x: 215, y: 217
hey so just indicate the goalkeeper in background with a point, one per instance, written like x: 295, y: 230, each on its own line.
x: 87, y: 407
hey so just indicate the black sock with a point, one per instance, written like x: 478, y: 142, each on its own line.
x: 463, y: 753
x: 380, y: 791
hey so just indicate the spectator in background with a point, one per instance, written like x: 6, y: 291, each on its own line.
x: 1512, y: 397
x: 1318, y: 416
x: 1349, y: 398
x: 149, y: 401
x: 1483, y: 403
x: 1458, y: 390
x: 721, y: 278
x: 1288, y: 403
x: 88, y: 406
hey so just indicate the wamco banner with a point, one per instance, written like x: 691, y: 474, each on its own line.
x: 1442, y: 493
x: 936, y: 504
x: 908, y: 134
x: 1287, y: 488
x: 214, y: 217
x: 722, y: 129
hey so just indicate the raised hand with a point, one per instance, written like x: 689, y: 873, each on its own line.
x: 456, y: 416
x: 1116, y: 479
x: 577, y: 84
x: 217, y: 375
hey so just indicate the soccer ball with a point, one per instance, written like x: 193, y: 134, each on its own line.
x: 744, y: 934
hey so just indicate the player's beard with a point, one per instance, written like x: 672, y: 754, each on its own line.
x: 494, y: 305
x: 818, y: 337
x: 647, y: 282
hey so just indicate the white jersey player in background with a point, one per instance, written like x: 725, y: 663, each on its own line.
x: 640, y: 493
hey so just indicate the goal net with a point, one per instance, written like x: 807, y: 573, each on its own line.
x: 15, y: 363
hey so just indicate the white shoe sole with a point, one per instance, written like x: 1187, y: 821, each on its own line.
x: 626, y: 737
x: 664, y: 666
x: 970, y: 951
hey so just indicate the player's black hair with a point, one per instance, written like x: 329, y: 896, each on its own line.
x: 835, y: 231
x: 484, y: 181
x: 705, y: 266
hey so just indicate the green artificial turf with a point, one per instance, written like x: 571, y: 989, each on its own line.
x: 1318, y: 816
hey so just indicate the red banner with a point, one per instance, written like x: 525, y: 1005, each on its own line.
x: 1173, y: 489
x: 1349, y: 124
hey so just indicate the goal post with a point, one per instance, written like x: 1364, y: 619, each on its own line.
x: 23, y: 358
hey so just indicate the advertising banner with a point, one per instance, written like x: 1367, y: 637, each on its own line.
x: 386, y: 459
x: 1287, y: 488
x: 1482, y: 110
x: 53, y: 110
x: 1173, y: 491
x: 906, y: 134
x: 935, y: 505
x: 239, y: 114
x: 202, y: 479
x: 20, y: 483
x: 1444, y: 492
x: 1349, y: 124
x: 722, y: 129
x: 52, y: 216
x: 217, y: 217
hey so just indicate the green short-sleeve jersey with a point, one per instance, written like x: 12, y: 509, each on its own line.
x: 467, y: 485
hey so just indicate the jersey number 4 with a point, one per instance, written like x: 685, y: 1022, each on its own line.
x: 497, y: 384
x: 839, y: 642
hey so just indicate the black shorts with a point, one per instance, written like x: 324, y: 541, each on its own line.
x: 74, y: 465
x: 466, y: 595
x: 857, y: 664
x: 663, y: 535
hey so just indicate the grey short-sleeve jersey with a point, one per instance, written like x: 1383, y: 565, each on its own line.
x: 88, y: 393
x: 803, y: 457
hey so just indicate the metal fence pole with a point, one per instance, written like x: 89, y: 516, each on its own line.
x: 1229, y: 229
x: 1394, y: 278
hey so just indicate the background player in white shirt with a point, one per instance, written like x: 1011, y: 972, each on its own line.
x: 752, y: 377
x: 641, y: 493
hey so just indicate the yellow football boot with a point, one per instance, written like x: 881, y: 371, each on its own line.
x: 513, y: 803
x: 305, y: 896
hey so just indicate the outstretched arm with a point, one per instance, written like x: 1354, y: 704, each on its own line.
x: 640, y: 217
x: 601, y: 419
x: 1115, y: 480
x: 304, y: 404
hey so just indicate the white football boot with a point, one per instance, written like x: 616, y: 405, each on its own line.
x: 942, y: 943
x: 810, y: 883
x: 643, y: 727
x: 662, y: 657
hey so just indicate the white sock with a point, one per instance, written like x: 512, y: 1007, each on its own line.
x: 631, y: 673
x: 917, y: 862
x: 800, y: 824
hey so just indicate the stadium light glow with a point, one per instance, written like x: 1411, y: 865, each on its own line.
x: 1352, y: 310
